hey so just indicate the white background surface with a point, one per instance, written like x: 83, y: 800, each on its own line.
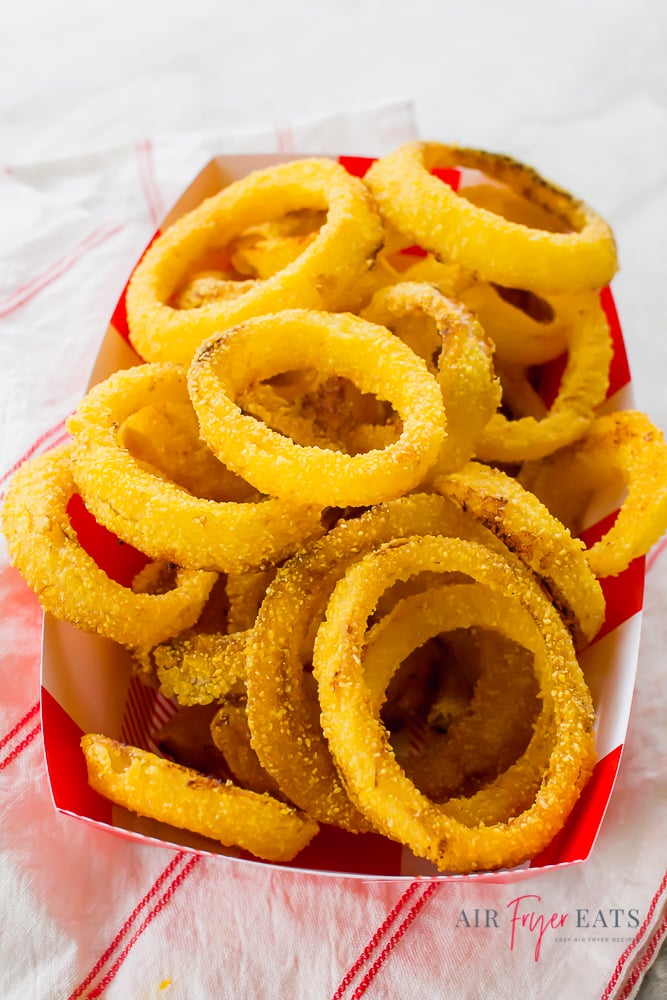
x: 578, y: 89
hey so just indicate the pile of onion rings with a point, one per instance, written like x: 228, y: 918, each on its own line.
x: 363, y: 587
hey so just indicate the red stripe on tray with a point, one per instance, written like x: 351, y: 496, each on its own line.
x: 26, y: 292
x: 376, y: 939
x: 148, y: 180
x: 119, y: 560
x: 119, y: 317
x: 548, y: 376
x: 66, y: 764
x: 575, y: 840
x: 623, y: 593
x: 391, y: 943
x: 636, y: 941
x: 156, y: 888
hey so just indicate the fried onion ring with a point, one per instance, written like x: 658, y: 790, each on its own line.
x: 341, y: 252
x: 423, y: 616
x: 163, y: 790
x: 158, y: 516
x: 622, y: 448
x: 527, y: 527
x: 431, y: 214
x: 582, y: 389
x: 360, y: 745
x: 282, y: 707
x: 439, y: 328
x: 338, y: 344
x: 69, y: 584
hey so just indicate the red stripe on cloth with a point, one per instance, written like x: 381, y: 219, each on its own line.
x: 148, y: 180
x: 19, y: 725
x: 375, y: 940
x: 645, y: 960
x: 20, y: 747
x: 393, y: 941
x: 284, y: 138
x: 636, y: 941
x: 157, y: 909
x: 125, y: 929
x: 42, y: 443
x: 576, y: 839
x: 26, y: 292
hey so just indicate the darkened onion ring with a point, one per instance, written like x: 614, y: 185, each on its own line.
x: 341, y: 252
x: 158, y: 516
x: 163, y: 790
x: 70, y: 585
x: 431, y: 214
x: 359, y: 742
x: 336, y: 344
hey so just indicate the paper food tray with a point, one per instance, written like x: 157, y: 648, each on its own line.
x: 87, y: 685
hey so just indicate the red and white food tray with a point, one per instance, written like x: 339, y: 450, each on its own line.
x: 87, y: 685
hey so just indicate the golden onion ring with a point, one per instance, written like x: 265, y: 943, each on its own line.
x: 434, y: 325
x: 540, y: 540
x: 171, y: 793
x: 44, y: 547
x: 341, y: 252
x: 359, y: 742
x: 431, y: 214
x: 158, y: 516
x: 582, y: 389
x: 623, y: 449
x: 526, y: 329
x: 282, y: 708
x: 338, y: 344
x: 423, y: 616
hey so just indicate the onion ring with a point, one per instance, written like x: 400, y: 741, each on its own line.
x: 622, y: 447
x: 421, y: 617
x: 341, y: 253
x: 282, y: 707
x: 525, y: 329
x: 163, y: 790
x: 342, y: 344
x: 470, y: 390
x: 158, y: 516
x: 359, y: 742
x: 528, y: 529
x: 69, y: 584
x: 583, y: 388
x: 431, y: 214
x: 231, y: 735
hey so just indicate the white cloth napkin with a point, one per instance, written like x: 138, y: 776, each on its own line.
x: 88, y: 914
